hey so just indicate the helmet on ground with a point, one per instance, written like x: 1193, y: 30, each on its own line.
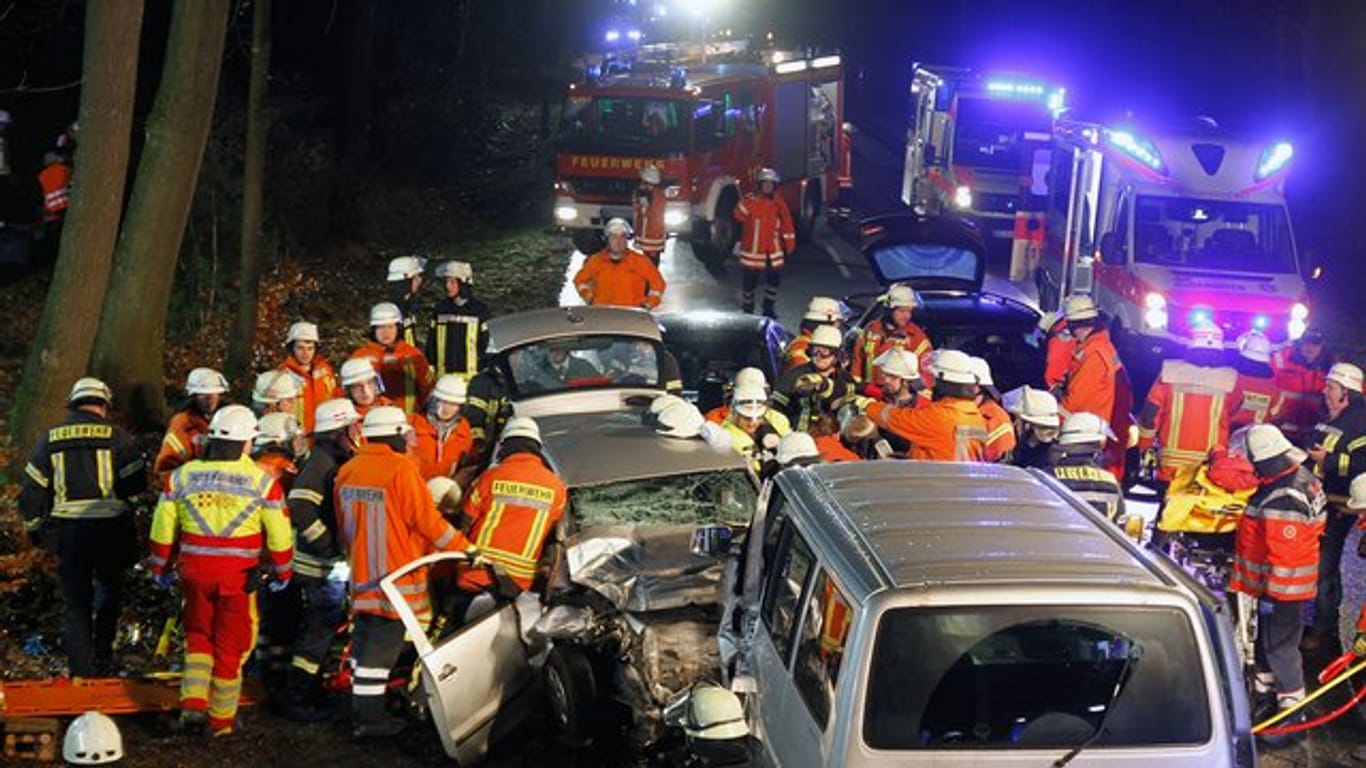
x: 953, y: 366
x: 1037, y: 406
x: 274, y: 386
x: 714, y: 714
x: 617, y: 227
x: 650, y: 175
x: 1082, y: 429
x: 1255, y: 347
x: 824, y: 309
x: 767, y: 174
x: 1266, y: 441
x: 663, y: 402
x: 1078, y: 308
x: 750, y: 377
x: 205, y: 381
x: 337, y: 413
x: 981, y: 370
x: 385, y: 313
x: 406, y: 267
x: 444, y: 491
x: 1358, y: 493
x: 522, y: 426
x: 451, y: 389
x: 1206, y: 336
x: 796, y: 446
x: 826, y: 336
x: 385, y: 421
x: 902, y: 295
x: 90, y: 388
x: 276, y: 428
x: 235, y: 423
x: 898, y: 362
x: 92, y: 739
x: 460, y: 270
x: 1347, y: 376
x: 681, y: 419
x: 301, y: 331
x: 749, y: 401
x: 358, y: 370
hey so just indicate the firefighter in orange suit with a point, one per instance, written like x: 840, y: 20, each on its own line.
x: 215, y: 516
x: 1096, y: 381
x: 949, y: 429
x: 1301, y: 371
x: 1276, y: 559
x: 1001, y: 439
x: 406, y: 375
x: 618, y: 276
x: 820, y: 310
x: 1059, y: 344
x: 387, y: 519
x: 1187, y: 409
x: 362, y: 385
x: 185, y: 433
x: 767, y: 236
x: 443, y: 434
x: 894, y: 328
x: 316, y: 379
x: 1256, y: 399
x: 649, y: 214
x: 55, y: 181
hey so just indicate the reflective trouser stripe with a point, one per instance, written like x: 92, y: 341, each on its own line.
x: 194, y: 683
x: 310, y: 667
x: 440, y: 349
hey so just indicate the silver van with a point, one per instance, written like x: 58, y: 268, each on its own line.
x: 919, y: 613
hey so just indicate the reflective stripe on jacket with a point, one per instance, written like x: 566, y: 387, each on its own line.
x: 1277, y: 550
x: 649, y: 219
x: 1000, y: 431
x: 317, y: 383
x: 514, y: 506
x: 1255, y: 400
x: 184, y: 437
x: 951, y: 429
x: 1301, y: 392
x: 1186, y: 414
x: 55, y: 180
x: 457, y: 336
x: 766, y: 231
x: 406, y: 375
x: 876, y: 338
x: 84, y: 468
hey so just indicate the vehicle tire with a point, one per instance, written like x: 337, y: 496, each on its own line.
x: 571, y: 693
x: 716, y: 239
x: 809, y: 211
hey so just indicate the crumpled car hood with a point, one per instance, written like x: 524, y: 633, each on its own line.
x: 644, y: 568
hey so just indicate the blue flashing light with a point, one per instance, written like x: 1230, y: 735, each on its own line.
x: 1136, y: 147
x: 612, y: 35
x: 1275, y: 158
x: 1012, y: 89
x: 1200, y: 317
x: 1261, y: 322
x: 1057, y: 100
x: 634, y: 35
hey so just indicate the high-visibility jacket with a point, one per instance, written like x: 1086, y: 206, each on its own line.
x: 833, y: 387
x: 798, y: 351
x: 84, y: 468
x: 488, y: 405
x: 1301, y: 391
x: 515, y: 506
x: 766, y: 231
x: 1276, y: 554
x: 440, y: 447
x: 55, y: 180
x: 752, y: 446
x: 833, y: 450
x: 648, y: 205
x: 185, y: 435
x: 1000, y: 430
x: 951, y: 429
x: 1186, y: 414
x: 1084, y: 477
x: 878, y: 337
x: 1061, y: 344
x: 632, y: 281
x: 280, y: 466
x: 317, y: 384
x: 387, y: 519
x: 407, y: 376
x: 721, y: 414
x: 1096, y: 382
x: 457, y: 336
x: 1254, y: 401
x: 1344, y: 440
x: 215, y: 516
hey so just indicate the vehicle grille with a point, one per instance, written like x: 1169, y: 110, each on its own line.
x: 603, y: 188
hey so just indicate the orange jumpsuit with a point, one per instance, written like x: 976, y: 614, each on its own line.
x: 317, y: 383
x: 951, y: 429
x: 1096, y: 382
x: 439, y: 450
x: 649, y: 222
x: 1301, y: 388
x: 184, y: 437
x: 1058, y: 356
x: 767, y: 234
x: 832, y: 450
x: 1000, y: 430
x: 878, y: 337
x: 406, y: 375
x: 514, y: 507
x: 55, y: 180
x: 631, y: 282
x: 1186, y: 414
x: 1255, y: 400
x: 798, y: 351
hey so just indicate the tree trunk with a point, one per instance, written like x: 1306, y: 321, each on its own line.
x: 66, y: 331
x: 129, y: 348
x: 253, y: 191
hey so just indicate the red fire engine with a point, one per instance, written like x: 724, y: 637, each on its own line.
x: 709, y: 123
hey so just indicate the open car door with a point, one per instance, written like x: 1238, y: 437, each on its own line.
x: 477, y: 682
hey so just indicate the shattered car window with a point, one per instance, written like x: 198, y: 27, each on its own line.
x: 584, y: 362
x: 703, y: 497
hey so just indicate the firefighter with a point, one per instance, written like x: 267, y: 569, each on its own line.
x: 403, y: 280
x: 648, y: 205
x: 1186, y: 414
x: 795, y: 449
x: 362, y: 384
x: 184, y: 435
x: 817, y: 387
x: 1037, y: 423
x: 406, y: 375
x: 277, y: 447
x: 618, y: 276
x: 899, y: 380
x: 74, y: 501
x: 319, y: 562
x: 754, y: 428
x: 443, y: 434
x: 745, y: 377
x: 55, y: 181
x: 217, y: 514
x: 1000, y: 430
x: 820, y: 310
x: 830, y: 439
x: 1276, y: 561
x: 459, y: 333
x: 488, y: 406
x: 1255, y: 397
x: 892, y: 327
x: 278, y: 444
x: 767, y: 237
x: 1096, y: 381
x: 1073, y: 461
x: 275, y: 391
x: 1059, y: 343
x: 387, y: 519
x: 1301, y: 370
x: 316, y: 379
x: 1338, y: 450
x: 949, y: 429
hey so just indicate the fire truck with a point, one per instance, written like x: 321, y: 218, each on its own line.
x: 1173, y: 229
x: 709, y: 119
x: 979, y: 146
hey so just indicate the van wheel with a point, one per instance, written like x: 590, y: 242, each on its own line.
x: 572, y: 693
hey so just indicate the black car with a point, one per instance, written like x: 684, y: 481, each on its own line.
x: 711, y: 346
x: 944, y: 260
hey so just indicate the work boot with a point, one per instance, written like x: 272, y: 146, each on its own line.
x: 192, y: 721
x: 1280, y: 741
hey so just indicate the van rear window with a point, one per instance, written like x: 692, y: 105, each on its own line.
x: 1034, y: 677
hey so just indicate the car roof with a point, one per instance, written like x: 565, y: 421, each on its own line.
x: 912, y: 523
x: 508, y: 331
x: 598, y: 448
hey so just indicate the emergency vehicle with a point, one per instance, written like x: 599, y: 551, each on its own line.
x: 709, y: 120
x: 1172, y: 229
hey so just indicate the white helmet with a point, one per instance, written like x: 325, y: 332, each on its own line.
x: 681, y: 420
x: 663, y: 402
x: 337, y: 413
x: 451, y: 389
x: 233, y: 422
x: 1037, y: 406
x: 902, y: 295
x: 953, y: 366
x: 617, y: 226
x: 89, y: 388
x: 1348, y: 376
x: 1079, y: 307
x: 1358, y: 493
x: 301, y: 331
x: 650, y: 175
x: 767, y: 174
x: 795, y: 446
x: 444, y: 490
x: 274, y: 386
x: 1255, y: 347
x: 900, y: 363
x: 714, y: 714
x: 405, y: 267
x: 358, y: 370
x: 205, y: 381
x: 1206, y: 336
x: 92, y: 739
x: 981, y: 369
x: 750, y: 377
x: 385, y: 421
x: 460, y: 270
x: 1266, y: 441
x: 826, y: 336
x: 522, y: 426
x: 276, y: 428
x: 749, y: 401
x: 1082, y: 429
x: 385, y: 313
x: 824, y: 309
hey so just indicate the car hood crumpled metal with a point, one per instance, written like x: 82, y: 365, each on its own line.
x: 644, y: 568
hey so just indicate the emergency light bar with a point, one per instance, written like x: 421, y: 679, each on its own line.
x: 788, y: 67
x: 1273, y: 159
x: 1136, y: 147
x: 1007, y: 88
x: 821, y: 62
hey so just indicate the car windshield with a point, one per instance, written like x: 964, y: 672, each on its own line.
x: 1001, y: 677
x: 627, y: 123
x: 583, y: 362
x: 997, y: 134
x: 910, y: 262
x: 1213, y: 234
x: 721, y: 496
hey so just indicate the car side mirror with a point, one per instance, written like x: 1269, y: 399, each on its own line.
x: 711, y: 541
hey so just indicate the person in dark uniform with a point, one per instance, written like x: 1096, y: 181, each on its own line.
x: 1075, y: 463
x: 458, y: 333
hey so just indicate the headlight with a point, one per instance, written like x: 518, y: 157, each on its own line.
x: 962, y: 197
x: 1299, y: 311
x: 566, y: 212
x: 675, y: 218
x: 1299, y: 321
x: 1155, y: 316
